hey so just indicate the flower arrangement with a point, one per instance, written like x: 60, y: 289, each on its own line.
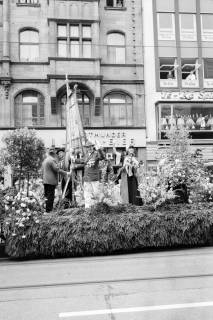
x: 22, y: 212
x: 154, y: 190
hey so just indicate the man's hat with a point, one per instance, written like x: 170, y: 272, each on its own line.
x: 59, y: 150
x: 89, y: 143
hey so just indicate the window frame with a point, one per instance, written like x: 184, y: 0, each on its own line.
x: 19, y: 109
x: 115, y: 4
x: 208, y: 35
x: 164, y: 31
x: 189, y: 34
x: 169, y: 82
x: 80, y: 38
x: 107, y: 110
x: 111, y: 49
x: 29, y: 44
x: 190, y: 83
x: 207, y: 82
x: 195, y: 128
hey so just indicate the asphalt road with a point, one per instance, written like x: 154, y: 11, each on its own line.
x: 175, y: 285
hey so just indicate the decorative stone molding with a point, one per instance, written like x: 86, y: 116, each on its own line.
x: 6, y: 83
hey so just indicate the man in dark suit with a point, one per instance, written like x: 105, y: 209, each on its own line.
x: 51, y: 171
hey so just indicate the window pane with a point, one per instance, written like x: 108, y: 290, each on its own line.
x: 207, y: 22
x: 116, y: 39
x: 75, y: 50
x: 208, y: 68
x: 29, y: 36
x: 86, y: 32
x: 62, y: 48
x: 87, y: 49
x: 74, y: 31
x: 187, y: 21
x: 117, y: 111
x: 62, y: 30
x: 165, y: 21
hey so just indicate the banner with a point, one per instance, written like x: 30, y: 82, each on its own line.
x: 75, y: 135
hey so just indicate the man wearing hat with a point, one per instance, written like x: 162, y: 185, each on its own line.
x: 51, y: 171
x: 92, y: 174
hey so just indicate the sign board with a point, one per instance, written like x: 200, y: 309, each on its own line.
x: 119, y: 137
x: 186, y: 95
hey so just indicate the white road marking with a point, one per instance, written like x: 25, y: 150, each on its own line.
x: 136, y: 309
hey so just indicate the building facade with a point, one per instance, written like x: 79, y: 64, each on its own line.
x: 178, y: 71
x: 97, y: 45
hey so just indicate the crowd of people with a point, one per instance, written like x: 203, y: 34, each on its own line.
x: 90, y: 171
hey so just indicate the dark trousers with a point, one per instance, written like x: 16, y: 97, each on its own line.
x: 49, y: 193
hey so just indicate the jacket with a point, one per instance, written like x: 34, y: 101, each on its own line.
x: 50, y: 171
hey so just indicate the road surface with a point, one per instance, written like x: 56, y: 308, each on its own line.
x: 172, y: 285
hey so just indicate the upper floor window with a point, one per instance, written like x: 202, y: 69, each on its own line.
x: 168, y: 72
x: 118, y: 109
x: 74, y: 40
x: 29, y: 1
x: 29, y: 109
x: 29, y: 45
x: 166, y: 26
x: 208, y: 73
x: 188, y: 27
x: 116, y: 47
x: 115, y: 3
x: 189, y: 71
x: 207, y: 27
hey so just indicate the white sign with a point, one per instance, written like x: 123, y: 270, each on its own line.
x: 119, y: 137
x: 187, y: 95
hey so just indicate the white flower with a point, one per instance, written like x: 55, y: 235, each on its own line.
x: 18, y: 211
x: 23, y: 205
x: 23, y: 237
x: 6, y: 207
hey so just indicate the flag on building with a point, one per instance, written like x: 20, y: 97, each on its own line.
x: 75, y: 135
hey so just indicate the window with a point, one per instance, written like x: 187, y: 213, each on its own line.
x: 116, y: 48
x: 208, y: 73
x: 189, y: 71
x: 29, y: 109
x: 29, y: 45
x: 196, y: 117
x: 84, y: 104
x: 118, y: 110
x: 188, y: 27
x: 207, y: 27
x: 75, y: 41
x: 29, y: 1
x: 115, y: 3
x: 166, y: 26
x: 168, y: 72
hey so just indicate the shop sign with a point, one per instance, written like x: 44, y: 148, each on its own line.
x: 187, y: 95
x: 120, y: 138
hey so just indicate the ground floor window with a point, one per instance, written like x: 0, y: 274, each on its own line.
x: 84, y: 104
x: 29, y: 109
x: 196, y: 117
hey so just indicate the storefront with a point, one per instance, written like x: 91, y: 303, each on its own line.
x: 191, y: 110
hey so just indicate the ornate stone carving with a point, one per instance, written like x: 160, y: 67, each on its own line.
x: 6, y: 85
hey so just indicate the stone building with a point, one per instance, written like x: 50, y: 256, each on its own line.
x: 97, y: 44
x: 178, y: 71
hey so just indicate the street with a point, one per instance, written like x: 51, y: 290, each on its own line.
x: 157, y: 285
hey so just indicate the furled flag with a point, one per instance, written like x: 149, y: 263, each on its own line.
x: 75, y: 134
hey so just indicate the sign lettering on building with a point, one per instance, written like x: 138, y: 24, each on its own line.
x: 187, y: 95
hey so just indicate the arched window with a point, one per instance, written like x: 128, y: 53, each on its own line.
x: 29, y: 109
x: 116, y: 47
x: 29, y: 45
x: 84, y: 103
x: 118, y: 110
